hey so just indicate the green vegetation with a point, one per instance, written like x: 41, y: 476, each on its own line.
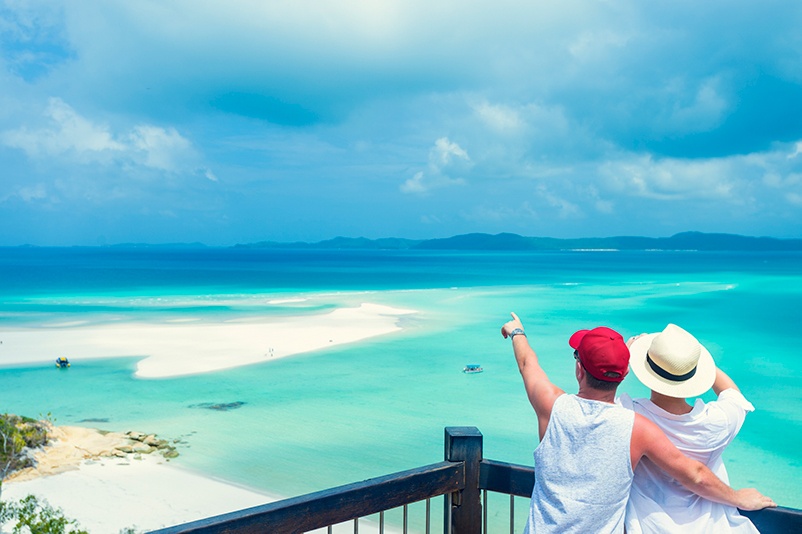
x: 18, y: 435
x: 31, y: 516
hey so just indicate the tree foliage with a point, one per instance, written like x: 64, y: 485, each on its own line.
x: 31, y: 516
x: 17, y: 436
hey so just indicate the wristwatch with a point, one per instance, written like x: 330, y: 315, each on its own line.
x: 516, y: 332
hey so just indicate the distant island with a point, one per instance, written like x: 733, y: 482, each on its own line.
x: 686, y: 241
x: 514, y: 242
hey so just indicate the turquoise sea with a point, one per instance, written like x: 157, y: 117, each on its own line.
x: 337, y: 416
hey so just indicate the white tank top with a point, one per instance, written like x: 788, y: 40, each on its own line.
x: 583, y: 470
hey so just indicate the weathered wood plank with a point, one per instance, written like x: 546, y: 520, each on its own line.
x: 502, y: 477
x: 778, y: 519
x: 332, y: 506
x: 464, y: 444
x: 459, y: 479
x: 518, y: 480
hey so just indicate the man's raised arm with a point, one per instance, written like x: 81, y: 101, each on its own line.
x: 541, y: 392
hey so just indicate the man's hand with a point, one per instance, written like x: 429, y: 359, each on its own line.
x: 633, y: 338
x: 511, y: 325
x: 650, y: 441
x: 752, y: 499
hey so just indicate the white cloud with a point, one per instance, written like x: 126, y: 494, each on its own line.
x: 597, y: 45
x: 68, y: 134
x: 31, y: 193
x: 604, y: 206
x: 528, y: 123
x: 36, y: 192
x: 414, y: 184
x: 445, y: 158
x: 160, y: 148
x: 67, y: 131
x: 797, y: 150
x: 565, y: 208
x: 769, y: 179
x: 445, y: 152
x: 668, y: 178
x: 789, y: 182
x: 689, y: 108
x: 517, y: 95
x: 794, y: 198
x: 499, y: 117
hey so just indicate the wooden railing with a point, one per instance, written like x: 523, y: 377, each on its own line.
x: 464, y: 478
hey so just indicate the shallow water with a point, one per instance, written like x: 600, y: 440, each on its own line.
x: 352, y: 412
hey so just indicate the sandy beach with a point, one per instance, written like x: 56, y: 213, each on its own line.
x: 185, y: 348
x: 106, y: 493
x: 83, y: 471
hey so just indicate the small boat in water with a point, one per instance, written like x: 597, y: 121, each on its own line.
x: 62, y: 362
x: 473, y: 368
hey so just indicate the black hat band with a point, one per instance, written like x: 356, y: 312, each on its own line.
x: 668, y: 376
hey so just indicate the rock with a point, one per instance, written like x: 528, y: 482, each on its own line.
x: 141, y: 447
x: 220, y: 406
x: 69, y: 446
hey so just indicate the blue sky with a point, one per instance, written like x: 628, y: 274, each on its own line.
x: 242, y: 121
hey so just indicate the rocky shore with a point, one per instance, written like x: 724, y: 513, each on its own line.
x: 93, y: 477
x: 69, y: 446
x: 141, y: 443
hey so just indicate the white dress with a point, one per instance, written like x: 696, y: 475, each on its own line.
x: 657, y: 502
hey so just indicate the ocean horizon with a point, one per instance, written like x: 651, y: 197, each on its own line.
x: 350, y: 412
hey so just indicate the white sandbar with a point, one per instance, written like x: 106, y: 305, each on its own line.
x: 106, y: 494
x: 184, y: 348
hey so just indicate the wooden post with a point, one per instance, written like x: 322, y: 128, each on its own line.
x: 463, y: 509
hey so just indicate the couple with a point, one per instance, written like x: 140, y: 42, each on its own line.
x: 601, y: 467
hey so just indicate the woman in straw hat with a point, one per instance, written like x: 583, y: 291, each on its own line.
x: 675, y: 366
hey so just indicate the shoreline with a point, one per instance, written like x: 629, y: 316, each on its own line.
x: 88, y: 473
x: 175, y: 349
x: 83, y: 472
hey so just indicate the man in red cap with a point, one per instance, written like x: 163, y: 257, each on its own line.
x: 589, y: 445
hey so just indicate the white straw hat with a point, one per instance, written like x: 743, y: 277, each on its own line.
x: 672, y: 362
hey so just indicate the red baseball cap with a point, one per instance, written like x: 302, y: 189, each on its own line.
x: 603, y: 353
